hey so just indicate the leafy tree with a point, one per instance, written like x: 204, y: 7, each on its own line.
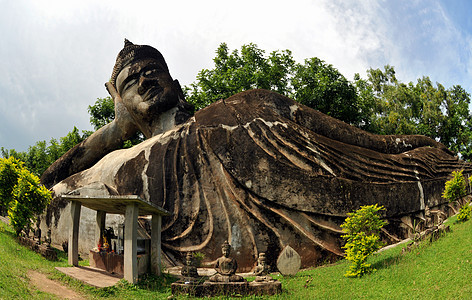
x: 102, y: 112
x: 362, y: 237
x: 314, y: 83
x: 321, y: 86
x: 421, y: 108
x: 239, y: 71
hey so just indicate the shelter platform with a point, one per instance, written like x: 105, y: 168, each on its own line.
x: 91, y: 276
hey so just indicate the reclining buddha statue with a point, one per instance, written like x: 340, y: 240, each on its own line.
x: 257, y: 169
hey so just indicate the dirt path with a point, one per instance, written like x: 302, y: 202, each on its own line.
x: 44, y: 284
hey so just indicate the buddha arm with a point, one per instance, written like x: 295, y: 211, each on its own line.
x: 103, y: 141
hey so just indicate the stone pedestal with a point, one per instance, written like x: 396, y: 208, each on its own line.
x: 226, y: 288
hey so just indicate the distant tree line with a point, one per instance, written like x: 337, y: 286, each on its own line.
x: 380, y: 104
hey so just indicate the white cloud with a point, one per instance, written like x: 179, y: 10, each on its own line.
x: 57, y: 54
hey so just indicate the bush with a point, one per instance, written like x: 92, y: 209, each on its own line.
x: 30, y: 199
x: 362, y: 237
x: 464, y: 213
x: 21, y: 194
x: 9, y: 172
x: 455, y: 188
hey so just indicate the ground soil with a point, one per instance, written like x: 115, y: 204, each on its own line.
x: 44, y: 284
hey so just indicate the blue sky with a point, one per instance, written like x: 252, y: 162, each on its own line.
x: 57, y: 55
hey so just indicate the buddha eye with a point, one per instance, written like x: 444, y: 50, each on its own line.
x: 129, y: 84
x: 150, y: 73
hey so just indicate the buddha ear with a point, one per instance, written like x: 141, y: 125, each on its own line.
x: 112, y: 91
x: 178, y: 89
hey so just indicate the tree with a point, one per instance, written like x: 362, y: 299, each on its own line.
x: 102, y: 112
x: 314, y: 83
x: 236, y: 72
x: 421, y: 108
x: 321, y: 86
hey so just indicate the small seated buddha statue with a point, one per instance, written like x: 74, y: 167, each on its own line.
x: 189, y: 271
x: 262, y: 269
x: 226, y: 266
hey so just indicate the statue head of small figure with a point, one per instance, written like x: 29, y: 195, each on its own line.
x: 226, y: 249
x: 261, y: 260
x: 189, y: 259
x: 141, y: 78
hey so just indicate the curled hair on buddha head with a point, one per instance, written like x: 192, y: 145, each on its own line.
x: 131, y: 53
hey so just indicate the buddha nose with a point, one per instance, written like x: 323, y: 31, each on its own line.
x: 145, y: 83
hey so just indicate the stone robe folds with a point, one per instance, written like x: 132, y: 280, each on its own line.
x: 263, y: 171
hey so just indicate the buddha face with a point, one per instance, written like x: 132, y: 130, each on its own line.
x: 226, y: 251
x: 146, y: 89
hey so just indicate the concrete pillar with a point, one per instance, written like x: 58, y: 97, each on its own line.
x: 100, y: 227
x: 156, y: 244
x: 131, y: 244
x: 73, y: 251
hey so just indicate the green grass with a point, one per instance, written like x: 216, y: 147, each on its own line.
x: 433, y: 271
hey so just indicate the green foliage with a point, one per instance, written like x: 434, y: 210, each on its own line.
x: 198, y: 258
x: 21, y: 193
x: 314, y: 83
x: 362, y: 237
x: 392, y: 107
x: 40, y: 156
x: 240, y: 71
x: 455, y: 188
x: 9, y: 172
x: 321, y: 86
x: 464, y: 213
x: 380, y: 104
x: 102, y: 112
x: 29, y: 199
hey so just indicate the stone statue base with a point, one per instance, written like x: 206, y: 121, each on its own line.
x: 45, y: 250
x: 227, y: 288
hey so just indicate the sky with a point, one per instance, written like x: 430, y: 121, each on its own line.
x: 56, y: 55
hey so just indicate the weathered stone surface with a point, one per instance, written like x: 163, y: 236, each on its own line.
x: 289, y: 261
x: 229, y: 289
x: 259, y: 170
x: 43, y: 249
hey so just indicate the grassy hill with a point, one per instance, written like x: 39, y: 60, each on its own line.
x: 436, y: 270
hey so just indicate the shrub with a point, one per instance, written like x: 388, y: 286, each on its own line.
x: 464, y: 213
x: 9, y: 172
x: 29, y: 198
x: 362, y: 237
x: 455, y: 188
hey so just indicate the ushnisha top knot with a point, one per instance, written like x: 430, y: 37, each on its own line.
x: 131, y: 53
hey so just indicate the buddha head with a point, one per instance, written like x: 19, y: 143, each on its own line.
x: 226, y: 249
x: 262, y: 259
x: 141, y: 78
x: 189, y: 259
